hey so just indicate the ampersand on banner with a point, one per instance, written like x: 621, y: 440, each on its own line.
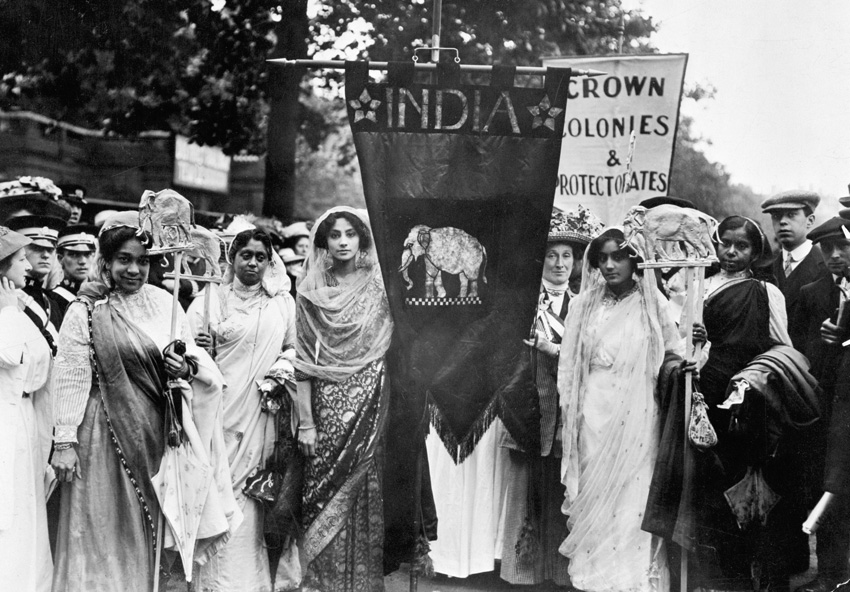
x: 612, y: 158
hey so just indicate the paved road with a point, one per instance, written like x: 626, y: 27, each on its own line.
x: 486, y: 582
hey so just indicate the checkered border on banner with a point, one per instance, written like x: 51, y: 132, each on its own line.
x: 443, y: 301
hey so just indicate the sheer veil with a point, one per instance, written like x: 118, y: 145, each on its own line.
x: 341, y: 328
x: 640, y: 362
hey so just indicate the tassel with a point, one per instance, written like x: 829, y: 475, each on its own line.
x: 527, y: 544
x: 423, y: 565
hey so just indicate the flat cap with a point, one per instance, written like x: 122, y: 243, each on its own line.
x: 834, y: 228
x: 791, y: 200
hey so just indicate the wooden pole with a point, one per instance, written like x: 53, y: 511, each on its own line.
x: 175, y: 304
x: 207, y: 290
x: 689, y: 344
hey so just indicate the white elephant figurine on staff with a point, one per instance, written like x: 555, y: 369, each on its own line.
x: 169, y: 216
x: 647, y: 231
x: 206, y: 245
x: 445, y: 249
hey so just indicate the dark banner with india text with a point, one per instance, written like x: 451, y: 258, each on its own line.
x: 459, y: 182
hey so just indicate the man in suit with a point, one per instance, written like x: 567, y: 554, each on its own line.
x: 819, y: 337
x: 801, y: 263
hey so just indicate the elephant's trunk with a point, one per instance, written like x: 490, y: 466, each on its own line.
x: 406, y: 260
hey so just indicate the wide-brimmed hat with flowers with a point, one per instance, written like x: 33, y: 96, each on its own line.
x: 578, y: 226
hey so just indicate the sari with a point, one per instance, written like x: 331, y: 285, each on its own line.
x: 744, y: 319
x: 110, y: 382
x: 612, y: 352
x: 343, y: 332
x: 254, y: 333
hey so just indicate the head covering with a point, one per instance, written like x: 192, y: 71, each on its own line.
x: 837, y: 228
x: 11, y: 242
x: 574, y: 365
x: 289, y: 256
x: 74, y: 194
x: 661, y: 200
x: 275, y: 281
x: 78, y: 237
x: 578, y: 226
x: 612, y: 232
x: 102, y: 216
x: 126, y: 219
x: 295, y: 229
x: 35, y: 195
x: 791, y: 200
x: 340, y: 328
x: 43, y: 230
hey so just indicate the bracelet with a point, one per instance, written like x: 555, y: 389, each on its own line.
x: 312, y: 427
x: 59, y: 446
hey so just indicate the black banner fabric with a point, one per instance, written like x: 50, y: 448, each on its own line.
x: 459, y: 183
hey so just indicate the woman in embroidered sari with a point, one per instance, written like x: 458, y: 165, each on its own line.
x: 615, y: 338
x: 252, y: 330
x: 25, y: 357
x: 344, y: 329
x: 112, y: 423
x: 744, y: 317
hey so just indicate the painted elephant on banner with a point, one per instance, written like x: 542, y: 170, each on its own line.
x: 168, y: 215
x: 445, y: 249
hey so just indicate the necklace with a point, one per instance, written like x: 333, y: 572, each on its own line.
x: 243, y: 292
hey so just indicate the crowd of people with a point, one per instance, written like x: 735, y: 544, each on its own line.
x: 275, y: 381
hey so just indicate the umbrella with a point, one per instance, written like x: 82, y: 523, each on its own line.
x: 182, y: 485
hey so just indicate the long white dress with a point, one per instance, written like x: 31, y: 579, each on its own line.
x: 469, y: 498
x: 255, y: 339
x: 25, y: 561
x: 616, y: 420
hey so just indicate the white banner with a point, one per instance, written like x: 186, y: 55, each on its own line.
x: 638, y: 94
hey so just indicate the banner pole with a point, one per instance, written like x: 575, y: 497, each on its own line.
x: 426, y: 66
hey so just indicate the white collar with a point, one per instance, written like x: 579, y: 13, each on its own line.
x: 799, y: 253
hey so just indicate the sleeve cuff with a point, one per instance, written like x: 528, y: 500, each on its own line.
x: 65, y: 434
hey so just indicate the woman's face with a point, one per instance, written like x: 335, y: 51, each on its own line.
x: 251, y: 262
x: 616, y: 265
x: 343, y: 241
x: 18, y: 269
x: 302, y: 246
x: 558, y: 264
x: 735, y: 250
x: 129, y: 267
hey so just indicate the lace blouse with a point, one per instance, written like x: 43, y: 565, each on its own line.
x: 149, y: 309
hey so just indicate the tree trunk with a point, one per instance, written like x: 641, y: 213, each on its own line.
x: 284, y: 84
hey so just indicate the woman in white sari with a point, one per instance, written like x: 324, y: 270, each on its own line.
x: 616, y: 334
x: 252, y: 332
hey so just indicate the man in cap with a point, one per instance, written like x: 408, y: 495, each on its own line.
x: 41, y: 253
x: 815, y: 331
x: 75, y: 196
x: 75, y: 249
x: 801, y: 263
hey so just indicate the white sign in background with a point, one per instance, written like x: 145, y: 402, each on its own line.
x: 639, y: 93
x: 200, y: 167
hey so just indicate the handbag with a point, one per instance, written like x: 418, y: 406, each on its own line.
x: 263, y: 484
x: 700, y: 431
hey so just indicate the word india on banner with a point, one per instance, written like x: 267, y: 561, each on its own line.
x: 639, y: 94
x: 458, y: 183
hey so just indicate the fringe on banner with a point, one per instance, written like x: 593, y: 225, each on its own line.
x: 423, y: 565
x: 460, y: 449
